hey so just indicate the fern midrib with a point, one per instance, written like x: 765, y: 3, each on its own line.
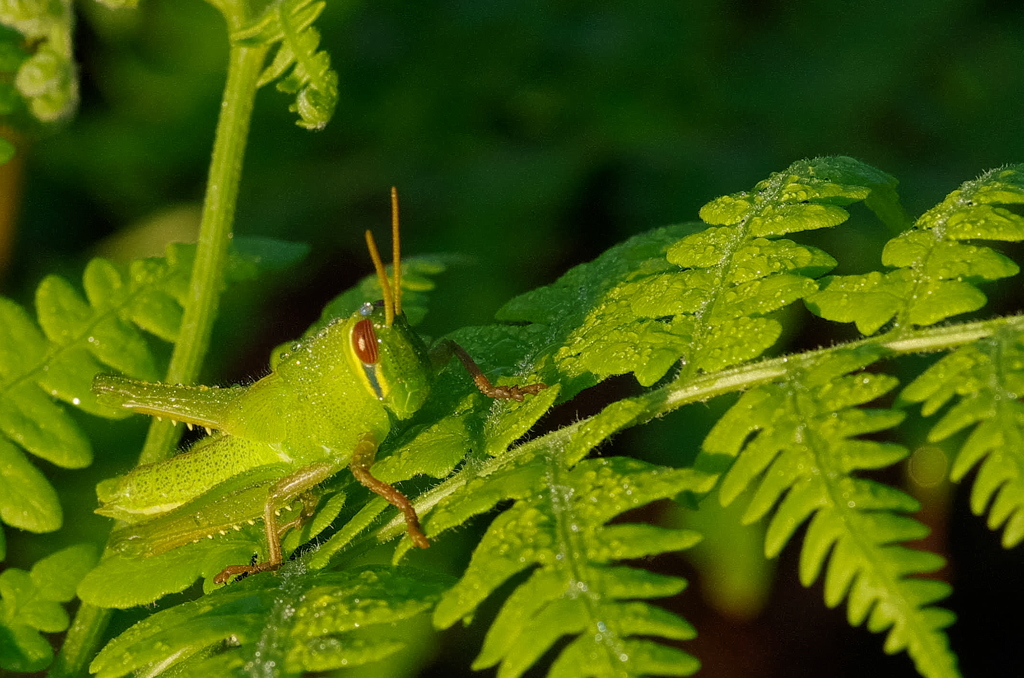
x: 80, y: 340
x: 575, y: 561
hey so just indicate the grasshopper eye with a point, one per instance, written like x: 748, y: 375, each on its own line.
x: 364, y: 342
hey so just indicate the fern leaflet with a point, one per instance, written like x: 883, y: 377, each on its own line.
x: 798, y: 441
x: 935, y: 272
x: 988, y: 378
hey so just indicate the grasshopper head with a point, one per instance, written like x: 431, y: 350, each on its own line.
x: 395, y: 362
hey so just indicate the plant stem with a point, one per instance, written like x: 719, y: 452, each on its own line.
x: 244, y: 67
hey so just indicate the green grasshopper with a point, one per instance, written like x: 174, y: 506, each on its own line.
x: 328, y: 404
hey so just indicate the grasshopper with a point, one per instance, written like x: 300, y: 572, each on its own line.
x: 326, y: 405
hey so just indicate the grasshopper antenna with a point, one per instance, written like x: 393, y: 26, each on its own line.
x: 396, y: 253
x: 382, y: 276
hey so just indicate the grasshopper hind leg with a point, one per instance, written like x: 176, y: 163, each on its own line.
x: 287, y: 489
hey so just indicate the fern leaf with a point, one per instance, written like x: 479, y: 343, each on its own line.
x: 76, y: 337
x: 285, y: 624
x: 745, y: 274
x: 30, y: 606
x: 314, y: 84
x: 557, y: 528
x: 987, y: 379
x: 704, y: 299
x: 934, y: 272
x: 798, y: 442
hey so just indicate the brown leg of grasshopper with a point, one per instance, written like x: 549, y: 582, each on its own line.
x: 447, y: 348
x: 309, y: 504
x: 280, y: 495
x: 362, y: 460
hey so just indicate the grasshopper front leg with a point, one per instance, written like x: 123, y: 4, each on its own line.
x: 362, y: 460
x: 447, y: 348
x: 287, y: 489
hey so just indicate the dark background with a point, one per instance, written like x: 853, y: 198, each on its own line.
x: 531, y: 136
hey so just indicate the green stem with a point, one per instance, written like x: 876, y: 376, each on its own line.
x: 244, y: 67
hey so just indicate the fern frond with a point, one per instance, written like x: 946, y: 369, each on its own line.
x: 312, y: 81
x: 283, y: 624
x: 704, y: 299
x: 30, y: 606
x: 987, y: 378
x: 557, y: 528
x: 75, y: 338
x: 935, y: 272
x: 798, y: 441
